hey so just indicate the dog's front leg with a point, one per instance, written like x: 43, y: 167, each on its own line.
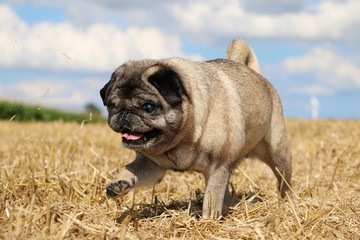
x: 216, y: 192
x: 141, y: 172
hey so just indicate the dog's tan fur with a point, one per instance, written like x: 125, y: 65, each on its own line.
x: 228, y: 112
x: 240, y: 51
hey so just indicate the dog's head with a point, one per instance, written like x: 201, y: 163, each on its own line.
x: 147, y: 103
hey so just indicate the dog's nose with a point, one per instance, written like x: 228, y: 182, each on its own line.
x: 124, y: 112
x: 124, y: 116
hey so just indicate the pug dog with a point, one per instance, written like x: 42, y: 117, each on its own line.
x: 205, y: 116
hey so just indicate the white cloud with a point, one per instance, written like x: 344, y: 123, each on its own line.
x: 328, y: 20
x: 62, y: 46
x: 312, y: 90
x: 320, y: 71
x: 38, y: 89
x: 54, y: 92
x: 214, y: 21
x: 276, y: 6
x: 331, y: 67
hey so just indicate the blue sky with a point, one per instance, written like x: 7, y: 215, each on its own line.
x: 60, y: 53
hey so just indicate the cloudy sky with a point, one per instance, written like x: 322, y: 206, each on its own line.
x: 60, y: 53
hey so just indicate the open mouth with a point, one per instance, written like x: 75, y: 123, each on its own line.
x: 131, y: 138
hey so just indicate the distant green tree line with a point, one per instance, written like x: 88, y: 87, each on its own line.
x: 23, y: 112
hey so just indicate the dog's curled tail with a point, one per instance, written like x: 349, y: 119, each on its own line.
x: 240, y: 51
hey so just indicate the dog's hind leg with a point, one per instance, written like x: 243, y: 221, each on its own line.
x: 275, y: 151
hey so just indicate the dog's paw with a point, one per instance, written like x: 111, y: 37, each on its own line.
x: 119, y: 188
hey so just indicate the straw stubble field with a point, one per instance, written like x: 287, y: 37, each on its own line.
x: 53, y: 175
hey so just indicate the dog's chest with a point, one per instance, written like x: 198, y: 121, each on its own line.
x: 183, y: 158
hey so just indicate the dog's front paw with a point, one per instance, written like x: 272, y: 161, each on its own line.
x: 119, y: 188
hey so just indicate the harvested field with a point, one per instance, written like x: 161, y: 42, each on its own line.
x: 52, y: 180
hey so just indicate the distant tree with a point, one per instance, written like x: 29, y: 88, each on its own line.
x: 92, y: 108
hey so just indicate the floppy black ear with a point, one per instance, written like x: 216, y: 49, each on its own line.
x: 106, y: 86
x: 103, y: 92
x: 169, y: 85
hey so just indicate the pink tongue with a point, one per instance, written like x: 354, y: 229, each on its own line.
x: 132, y: 136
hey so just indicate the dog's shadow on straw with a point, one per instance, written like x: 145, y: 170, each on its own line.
x: 191, y: 207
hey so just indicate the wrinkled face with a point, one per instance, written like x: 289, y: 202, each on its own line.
x: 145, y: 104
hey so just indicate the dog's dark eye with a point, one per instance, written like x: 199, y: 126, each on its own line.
x: 149, y: 107
x: 110, y: 105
